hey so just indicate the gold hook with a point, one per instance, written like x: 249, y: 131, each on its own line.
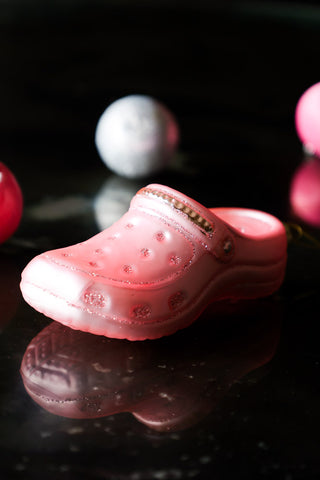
x: 296, y: 235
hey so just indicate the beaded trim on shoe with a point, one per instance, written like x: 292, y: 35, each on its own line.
x: 193, y: 216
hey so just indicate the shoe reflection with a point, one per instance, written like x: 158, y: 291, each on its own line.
x: 168, y: 384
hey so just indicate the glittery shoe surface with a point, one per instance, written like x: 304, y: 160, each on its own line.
x: 157, y: 268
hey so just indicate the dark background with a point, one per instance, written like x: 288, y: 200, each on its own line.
x: 232, y: 73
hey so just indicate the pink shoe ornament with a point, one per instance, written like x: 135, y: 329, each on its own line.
x: 11, y: 203
x: 157, y: 268
x: 166, y: 385
x: 307, y: 119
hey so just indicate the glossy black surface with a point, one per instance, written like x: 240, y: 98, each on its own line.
x: 244, y: 379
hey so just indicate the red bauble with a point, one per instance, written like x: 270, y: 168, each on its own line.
x: 11, y: 203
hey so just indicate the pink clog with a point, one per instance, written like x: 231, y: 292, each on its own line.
x: 157, y: 268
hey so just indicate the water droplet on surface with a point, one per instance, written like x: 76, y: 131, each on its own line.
x: 166, y: 396
x: 205, y: 459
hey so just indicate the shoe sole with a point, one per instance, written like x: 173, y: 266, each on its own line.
x: 252, y: 281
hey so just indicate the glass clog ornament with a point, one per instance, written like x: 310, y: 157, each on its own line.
x: 307, y: 119
x: 136, y: 136
x: 166, y: 385
x: 158, y: 267
x: 11, y: 203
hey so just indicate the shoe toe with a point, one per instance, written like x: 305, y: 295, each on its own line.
x: 47, y: 285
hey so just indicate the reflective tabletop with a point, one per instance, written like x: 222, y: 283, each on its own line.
x: 236, y: 394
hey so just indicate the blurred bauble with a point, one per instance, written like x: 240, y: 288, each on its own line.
x: 308, y: 119
x: 305, y: 192
x: 136, y: 136
x: 11, y: 203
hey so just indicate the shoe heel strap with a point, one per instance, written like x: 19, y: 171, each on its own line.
x: 192, y: 214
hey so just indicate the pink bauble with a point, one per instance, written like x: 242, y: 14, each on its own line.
x: 308, y: 119
x: 305, y: 192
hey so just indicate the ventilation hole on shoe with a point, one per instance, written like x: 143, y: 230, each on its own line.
x: 129, y: 226
x: 93, y: 264
x: 176, y: 300
x: 145, y: 252
x: 94, y: 299
x: 113, y: 237
x: 160, y: 236
x: 127, y: 268
x: 227, y: 246
x: 141, y: 311
x: 224, y: 251
x: 174, y: 260
x: 98, y: 251
x: 66, y: 254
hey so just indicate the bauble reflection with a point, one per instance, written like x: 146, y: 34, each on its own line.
x: 113, y: 200
x: 305, y: 191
